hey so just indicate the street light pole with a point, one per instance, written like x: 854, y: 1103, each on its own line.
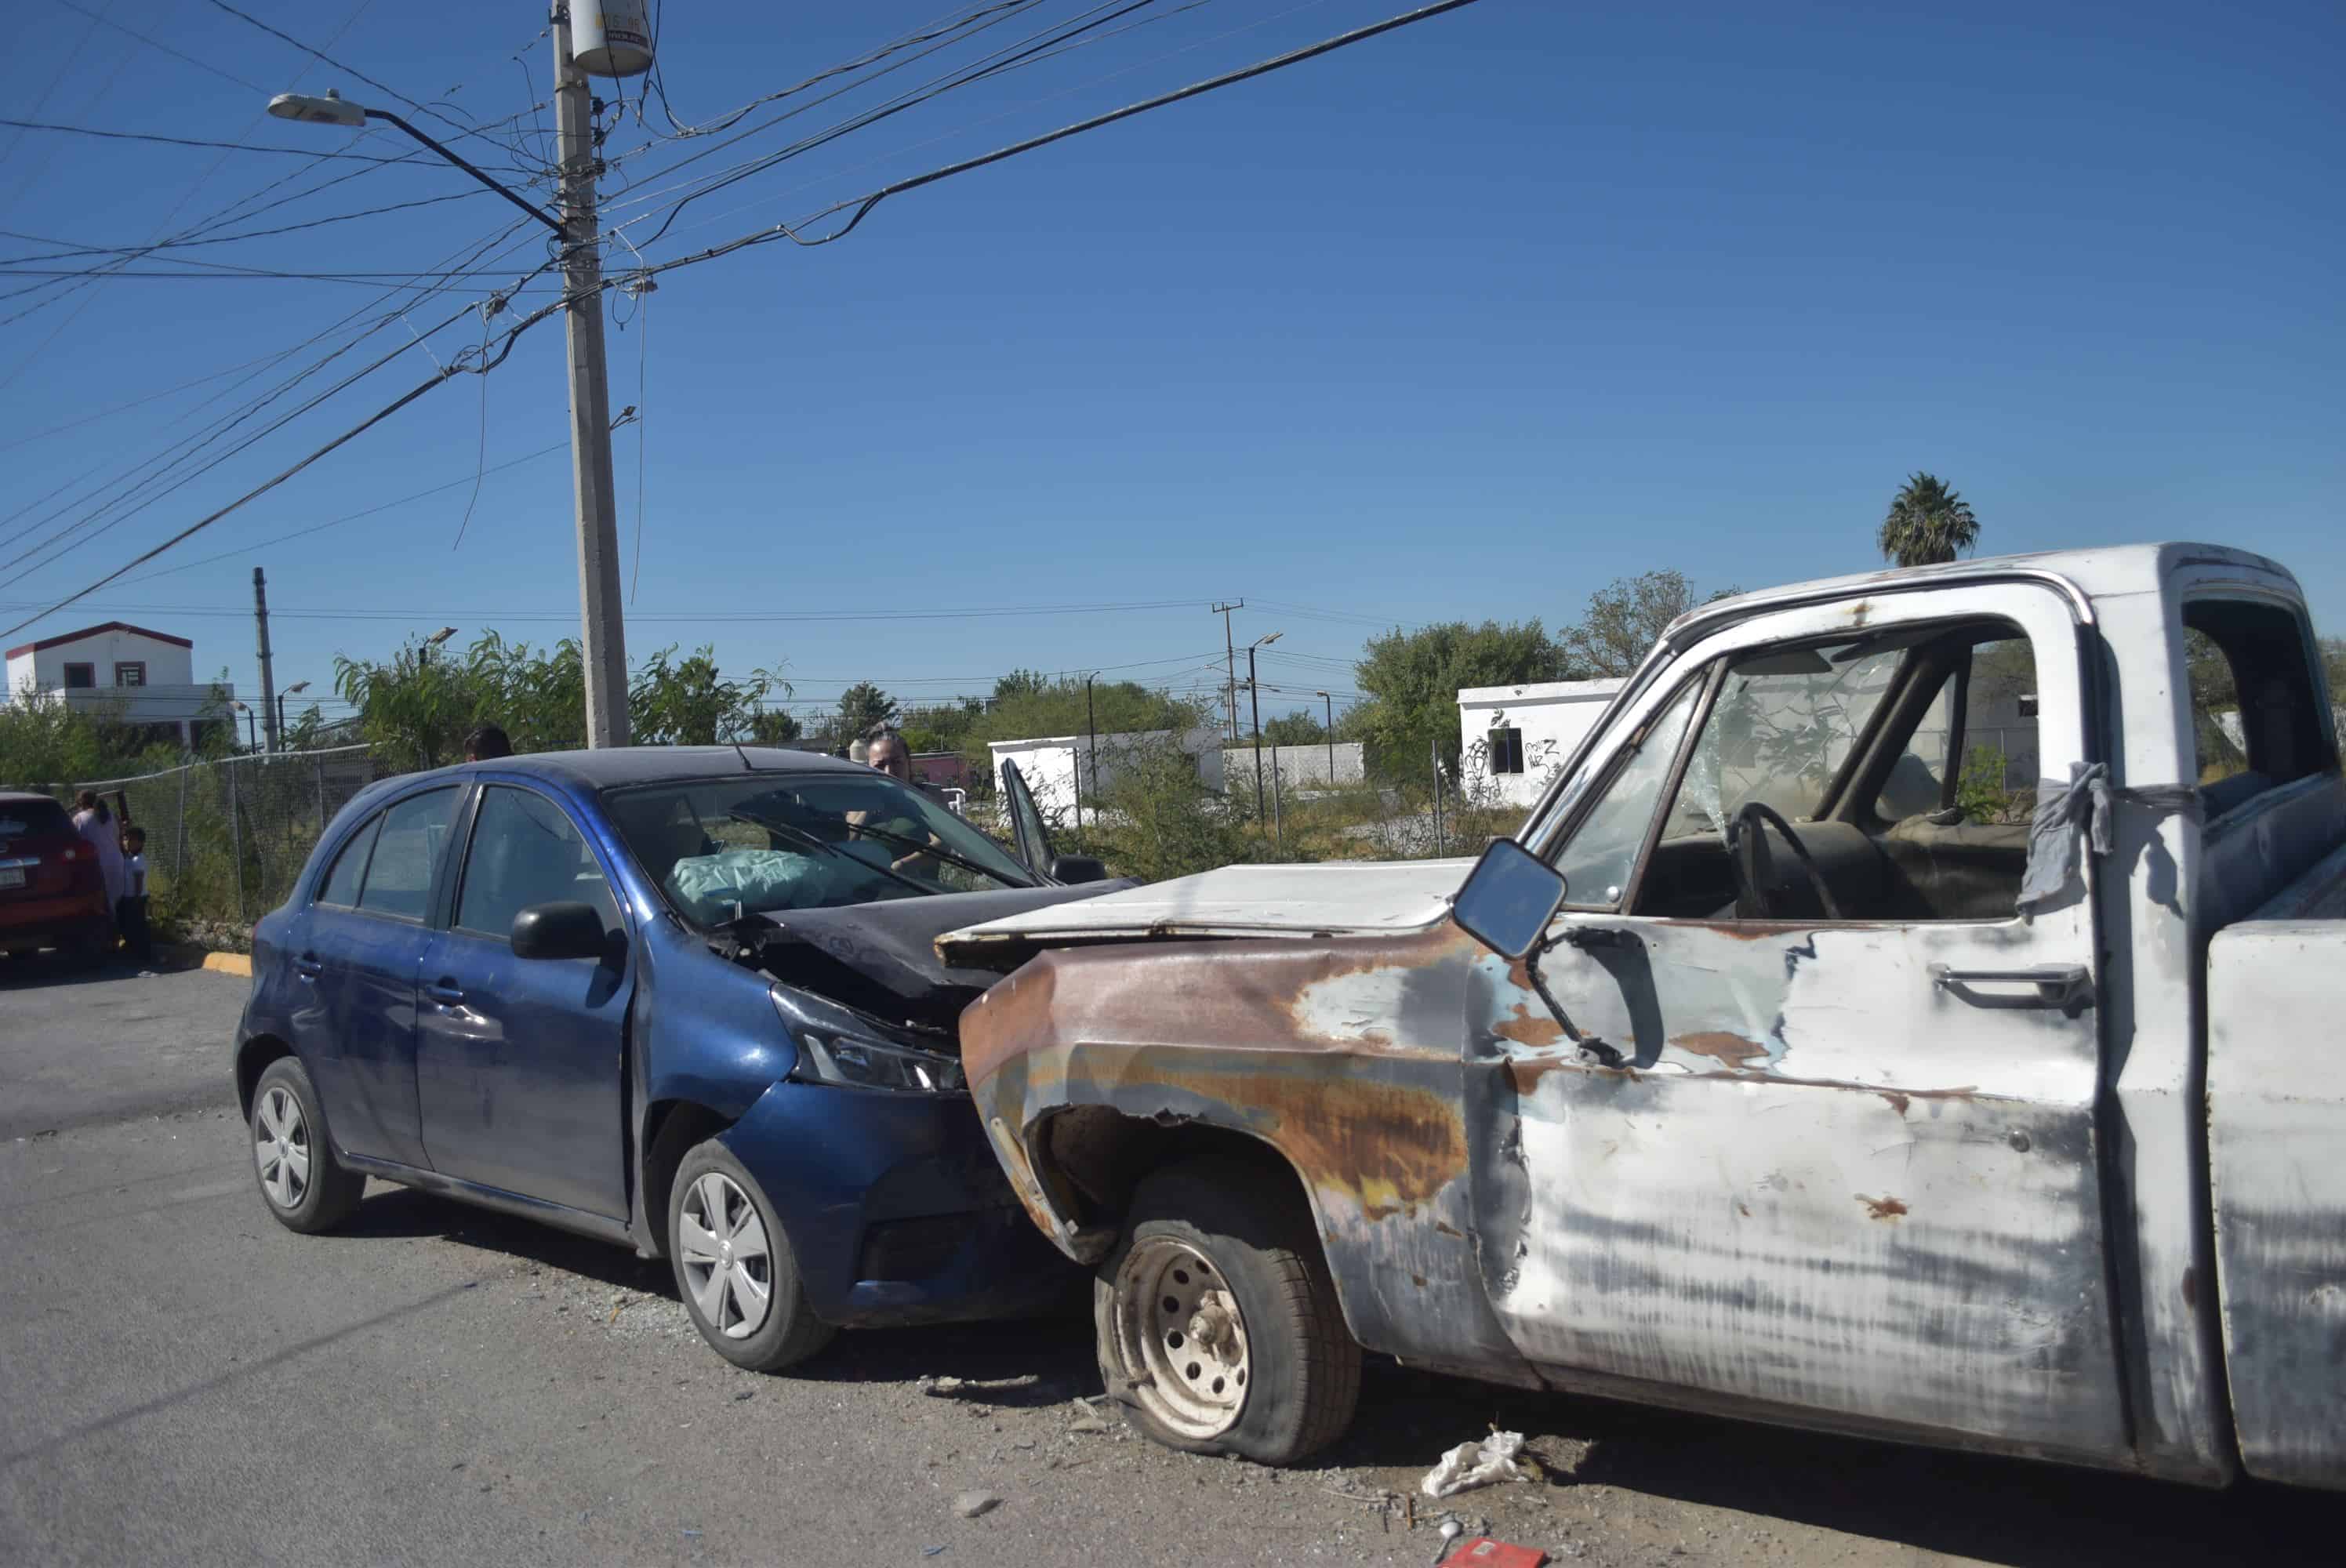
x: 1254, y: 699
x: 297, y: 687
x: 602, y: 621
x: 1091, y: 755
x: 602, y: 629
x: 1330, y: 733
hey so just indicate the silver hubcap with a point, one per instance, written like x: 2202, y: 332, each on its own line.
x: 280, y: 1146
x: 727, y: 1265
x: 1180, y: 1339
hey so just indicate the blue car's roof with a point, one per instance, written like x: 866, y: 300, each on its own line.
x: 625, y: 765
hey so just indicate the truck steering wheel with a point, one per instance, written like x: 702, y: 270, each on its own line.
x: 1747, y: 852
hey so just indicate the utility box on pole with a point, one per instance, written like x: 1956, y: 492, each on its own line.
x: 603, y: 640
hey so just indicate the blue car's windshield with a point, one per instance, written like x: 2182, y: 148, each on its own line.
x: 751, y: 843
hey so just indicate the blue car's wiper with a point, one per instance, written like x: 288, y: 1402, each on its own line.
x: 799, y: 835
x: 940, y: 851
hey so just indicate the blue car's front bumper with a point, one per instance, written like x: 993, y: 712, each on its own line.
x: 896, y: 1210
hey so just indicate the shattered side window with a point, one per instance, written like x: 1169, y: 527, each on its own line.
x: 1596, y: 862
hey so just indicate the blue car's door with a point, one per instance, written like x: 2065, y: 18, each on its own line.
x: 519, y: 1061
x: 355, y: 953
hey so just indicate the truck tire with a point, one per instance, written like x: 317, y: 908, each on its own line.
x: 1218, y: 1326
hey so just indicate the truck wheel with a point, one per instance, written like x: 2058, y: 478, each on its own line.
x: 734, y: 1268
x: 1217, y: 1324
x: 304, y: 1184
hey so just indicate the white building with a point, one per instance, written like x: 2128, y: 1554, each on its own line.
x: 1050, y: 763
x: 121, y: 674
x: 1513, y: 738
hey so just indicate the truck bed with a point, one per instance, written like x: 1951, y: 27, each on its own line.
x: 2277, y: 1154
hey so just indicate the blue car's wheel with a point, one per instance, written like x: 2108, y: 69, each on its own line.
x: 733, y: 1265
x: 304, y: 1184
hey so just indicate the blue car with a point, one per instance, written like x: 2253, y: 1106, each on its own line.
x: 684, y: 998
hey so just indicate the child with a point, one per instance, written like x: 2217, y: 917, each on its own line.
x: 130, y: 909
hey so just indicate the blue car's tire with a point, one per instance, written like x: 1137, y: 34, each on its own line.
x: 733, y: 1265
x: 304, y: 1186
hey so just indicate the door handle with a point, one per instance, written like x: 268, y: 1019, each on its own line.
x: 446, y: 994
x: 2067, y: 986
x: 307, y: 967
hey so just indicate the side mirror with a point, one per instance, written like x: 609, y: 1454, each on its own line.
x: 564, y: 929
x: 1072, y: 870
x: 1509, y: 898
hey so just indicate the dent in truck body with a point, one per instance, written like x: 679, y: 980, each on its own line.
x: 1340, y: 1055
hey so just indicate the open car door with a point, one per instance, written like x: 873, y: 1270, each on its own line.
x: 1033, y: 839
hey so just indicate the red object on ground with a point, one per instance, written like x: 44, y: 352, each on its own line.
x: 1482, y: 1552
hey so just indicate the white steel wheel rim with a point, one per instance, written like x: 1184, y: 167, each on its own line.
x: 1181, y: 1337
x: 280, y: 1146
x: 729, y: 1265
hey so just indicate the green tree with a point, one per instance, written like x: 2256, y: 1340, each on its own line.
x: 1061, y: 707
x: 1927, y: 524
x: 1018, y: 683
x: 1413, y: 679
x: 688, y: 701
x: 1623, y: 623
x: 773, y: 727
x: 2333, y: 668
x: 941, y: 725
x: 1301, y: 728
x: 413, y: 707
x: 860, y: 706
x: 537, y: 697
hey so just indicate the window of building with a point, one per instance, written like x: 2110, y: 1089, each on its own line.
x: 1506, y: 751
x: 133, y: 673
x: 81, y: 677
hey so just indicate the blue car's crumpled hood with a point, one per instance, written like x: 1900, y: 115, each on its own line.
x: 882, y: 958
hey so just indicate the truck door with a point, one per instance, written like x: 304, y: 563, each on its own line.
x: 1833, y: 1149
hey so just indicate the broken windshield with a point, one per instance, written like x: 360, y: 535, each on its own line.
x: 755, y: 843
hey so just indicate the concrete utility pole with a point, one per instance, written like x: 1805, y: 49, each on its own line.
x: 1230, y: 654
x: 260, y: 650
x: 603, y: 635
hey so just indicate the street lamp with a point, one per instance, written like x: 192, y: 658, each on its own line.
x: 333, y: 109
x: 602, y: 619
x: 1330, y: 732
x: 433, y: 641
x: 298, y: 686
x: 1254, y: 700
x: 251, y: 740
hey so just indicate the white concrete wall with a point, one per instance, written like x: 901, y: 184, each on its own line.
x: 1299, y: 767
x: 1049, y: 763
x: 1553, y: 717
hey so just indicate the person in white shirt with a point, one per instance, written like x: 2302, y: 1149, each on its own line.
x: 99, y: 830
x: 130, y: 909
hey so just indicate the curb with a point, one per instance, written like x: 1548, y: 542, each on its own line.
x: 237, y: 963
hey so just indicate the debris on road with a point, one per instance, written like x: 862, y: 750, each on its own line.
x: 953, y: 1388
x: 971, y: 1504
x: 1474, y: 1465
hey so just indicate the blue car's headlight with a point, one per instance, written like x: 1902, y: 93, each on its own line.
x: 838, y: 1045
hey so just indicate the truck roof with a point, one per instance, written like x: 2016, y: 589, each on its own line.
x: 2085, y: 576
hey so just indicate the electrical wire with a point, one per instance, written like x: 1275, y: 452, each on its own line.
x: 196, y: 141
x: 321, y: 57
x: 161, y: 47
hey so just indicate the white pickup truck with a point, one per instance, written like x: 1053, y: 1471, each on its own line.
x: 1914, y: 1010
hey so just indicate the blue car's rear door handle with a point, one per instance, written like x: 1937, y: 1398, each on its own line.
x: 446, y: 994
x: 307, y: 967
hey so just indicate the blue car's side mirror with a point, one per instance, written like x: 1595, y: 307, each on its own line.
x: 563, y: 929
x: 1509, y: 898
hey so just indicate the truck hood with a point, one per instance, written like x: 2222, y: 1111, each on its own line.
x: 882, y: 958
x: 1346, y: 898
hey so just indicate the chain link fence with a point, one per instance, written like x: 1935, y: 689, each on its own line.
x: 225, y: 840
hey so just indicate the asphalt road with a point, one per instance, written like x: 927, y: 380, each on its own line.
x: 185, y: 1382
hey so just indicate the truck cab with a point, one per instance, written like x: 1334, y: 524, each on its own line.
x: 1886, y: 1022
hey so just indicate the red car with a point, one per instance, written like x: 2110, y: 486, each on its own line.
x: 51, y: 891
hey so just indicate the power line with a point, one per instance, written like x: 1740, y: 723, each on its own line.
x: 163, y: 47
x: 195, y: 141
x: 323, y: 56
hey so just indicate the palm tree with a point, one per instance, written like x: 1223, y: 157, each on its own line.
x: 1928, y: 523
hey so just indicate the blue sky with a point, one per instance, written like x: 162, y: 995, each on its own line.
x: 1468, y: 321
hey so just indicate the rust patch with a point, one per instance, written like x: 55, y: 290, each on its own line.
x: 1743, y: 1208
x: 1898, y: 1102
x: 1861, y: 611
x: 1525, y: 1075
x: 1525, y: 1030
x: 1418, y: 1280
x: 1732, y: 1051
x: 1885, y: 1209
x: 1444, y: 1228
x: 2192, y: 1288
